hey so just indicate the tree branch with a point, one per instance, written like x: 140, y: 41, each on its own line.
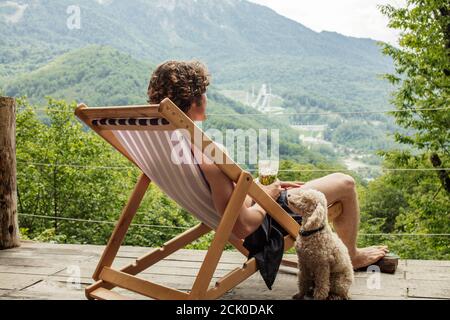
x: 442, y: 174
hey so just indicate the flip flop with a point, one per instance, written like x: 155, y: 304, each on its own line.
x: 387, y: 264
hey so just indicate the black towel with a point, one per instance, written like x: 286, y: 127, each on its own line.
x: 266, y: 244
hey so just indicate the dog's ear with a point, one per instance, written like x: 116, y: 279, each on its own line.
x: 316, y: 219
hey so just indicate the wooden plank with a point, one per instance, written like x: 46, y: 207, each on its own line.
x: 136, y: 128
x: 103, y: 294
x: 141, y: 286
x: 421, y: 279
x: 123, y: 224
x: 389, y: 287
x: 13, y: 281
x: 428, y: 289
x: 140, y: 111
x: 47, y: 290
x: 430, y: 263
x: 30, y: 270
x: 9, y: 228
x: 428, y: 275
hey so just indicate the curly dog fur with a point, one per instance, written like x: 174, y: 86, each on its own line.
x: 324, y: 261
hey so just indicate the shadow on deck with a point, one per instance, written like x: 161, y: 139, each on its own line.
x: 47, y: 271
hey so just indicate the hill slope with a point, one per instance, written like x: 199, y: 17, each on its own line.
x: 242, y: 42
x: 96, y: 75
x: 101, y: 76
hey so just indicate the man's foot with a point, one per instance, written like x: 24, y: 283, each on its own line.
x: 368, y: 256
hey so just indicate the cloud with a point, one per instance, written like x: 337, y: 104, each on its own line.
x: 17, y: 11
x: 355, y: 18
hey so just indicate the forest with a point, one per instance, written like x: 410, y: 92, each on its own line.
x: 72, y: 185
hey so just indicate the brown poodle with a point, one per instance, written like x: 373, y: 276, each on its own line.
x: 324, y: 262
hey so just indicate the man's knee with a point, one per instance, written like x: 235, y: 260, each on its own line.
x: 347, y: 182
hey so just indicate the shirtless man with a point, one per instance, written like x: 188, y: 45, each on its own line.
x: 185, y: 83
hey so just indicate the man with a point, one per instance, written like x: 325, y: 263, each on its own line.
x: 185, y: 83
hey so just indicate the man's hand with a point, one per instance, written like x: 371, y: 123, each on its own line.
x: 274, y: 190
x: 291, y: 185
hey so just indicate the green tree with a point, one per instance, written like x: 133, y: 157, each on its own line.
x: 66, y: 172
x: 422, y: 64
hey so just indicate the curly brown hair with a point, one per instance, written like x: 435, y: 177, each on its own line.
x: 183, y: 82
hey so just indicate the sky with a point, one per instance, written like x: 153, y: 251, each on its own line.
x: 357, y: 18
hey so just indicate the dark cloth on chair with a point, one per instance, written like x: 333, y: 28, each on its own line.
x: 266, y: 244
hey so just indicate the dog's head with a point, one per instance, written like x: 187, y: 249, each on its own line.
x: 311, y: 205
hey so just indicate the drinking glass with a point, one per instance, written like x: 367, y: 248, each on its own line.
x: 268, y: 171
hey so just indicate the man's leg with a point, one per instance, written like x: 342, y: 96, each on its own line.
x: 341, y: 187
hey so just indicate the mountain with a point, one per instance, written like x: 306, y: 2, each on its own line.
x: 243, y: 43
x: 96, y: 75
x: 100, y: 76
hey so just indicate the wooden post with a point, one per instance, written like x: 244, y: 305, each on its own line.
x: 9, y: 229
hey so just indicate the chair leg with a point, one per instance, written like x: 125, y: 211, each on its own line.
x: 334, y: 211
x: 122, y: 226
x: 289, y: 263
x: 223, y: 233
x: 238, y: 244
x: 155, y: 256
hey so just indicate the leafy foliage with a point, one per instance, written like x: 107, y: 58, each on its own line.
x: 46, y: 187
x: 422, y: 65
x: 245, y: 45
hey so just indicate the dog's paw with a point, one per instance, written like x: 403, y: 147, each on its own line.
x: 334, y: 296
x: 320, y: 295
x: 298, y: 296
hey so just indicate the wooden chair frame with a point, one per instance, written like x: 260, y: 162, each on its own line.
x: 108, y: 278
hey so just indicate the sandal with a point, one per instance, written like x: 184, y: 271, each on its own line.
x: 387, y: 264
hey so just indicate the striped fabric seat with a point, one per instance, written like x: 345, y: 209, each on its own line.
x: 130, y: 122
x: 158, y: 154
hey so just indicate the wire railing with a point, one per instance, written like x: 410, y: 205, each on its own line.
x: 80, y: 166
x: 288, y: 114
x: 324, y: 113
x: 159, y: 226
x: 153, y: 226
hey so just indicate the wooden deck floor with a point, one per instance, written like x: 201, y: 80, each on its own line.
x: 45, y: 271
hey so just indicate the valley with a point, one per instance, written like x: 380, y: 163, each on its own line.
x: 276, y: 67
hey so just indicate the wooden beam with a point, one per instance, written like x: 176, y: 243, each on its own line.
x: 198, y: 138
x: 109, y: 136
x: 9, y: 227
x: 232, y: 279
x: 334, y: 211
x: 122, y: 226
x: 155, y: 256
x: 221, y: 237
x: 150, y: 111
x: 104, y: 294
x: 144, y: 287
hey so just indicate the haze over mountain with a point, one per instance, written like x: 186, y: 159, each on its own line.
x: 243, y: 43
x: 110, y: 58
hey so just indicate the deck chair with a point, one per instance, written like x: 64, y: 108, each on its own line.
x: 144, y: 134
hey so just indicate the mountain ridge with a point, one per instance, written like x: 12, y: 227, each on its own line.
x: 243, y: 44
